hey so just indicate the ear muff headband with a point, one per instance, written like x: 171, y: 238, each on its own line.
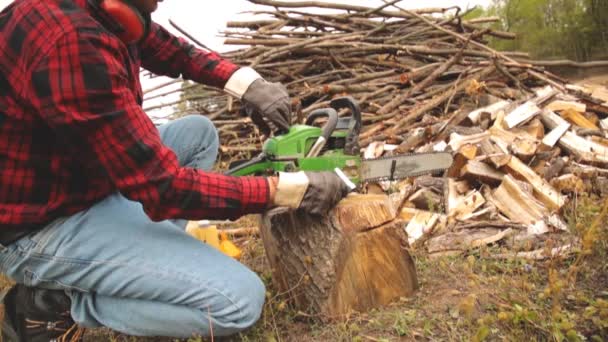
x: 132, y: 24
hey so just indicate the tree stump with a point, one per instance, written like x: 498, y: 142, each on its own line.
x: 354, y: 259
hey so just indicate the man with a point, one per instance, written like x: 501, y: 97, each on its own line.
x: 94, y: 199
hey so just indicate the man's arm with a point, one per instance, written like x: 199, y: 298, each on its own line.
x: 167, y: 55
x: 82, y: 91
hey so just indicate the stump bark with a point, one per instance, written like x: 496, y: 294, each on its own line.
x: 354, y: 259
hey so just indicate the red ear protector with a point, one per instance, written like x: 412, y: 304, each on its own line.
x: 130, y: 25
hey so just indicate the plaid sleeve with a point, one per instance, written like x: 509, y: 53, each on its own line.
x: 81, y: 89
x: 164, y: 54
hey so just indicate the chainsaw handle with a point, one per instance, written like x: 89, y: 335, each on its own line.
x: 354, y: 126
x: 330, y: 125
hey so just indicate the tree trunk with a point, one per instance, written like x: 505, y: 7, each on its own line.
x: 354, y: 259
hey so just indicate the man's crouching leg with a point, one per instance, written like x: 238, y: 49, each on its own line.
x: 209, y: 312
x: 135, y: 276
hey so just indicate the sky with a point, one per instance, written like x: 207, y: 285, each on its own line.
x: 205, y: 19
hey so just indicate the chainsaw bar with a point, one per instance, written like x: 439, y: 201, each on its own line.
x: 403, y: 166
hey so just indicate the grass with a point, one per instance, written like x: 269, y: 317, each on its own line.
x: 465, y: 298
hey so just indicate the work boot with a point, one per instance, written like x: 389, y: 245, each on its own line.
x: 37, y: 315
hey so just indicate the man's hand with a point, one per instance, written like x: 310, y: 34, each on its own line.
x: 314, y: 192
x: 261, y: 100
x: 270, y: 101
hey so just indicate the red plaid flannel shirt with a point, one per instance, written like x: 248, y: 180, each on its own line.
x: 72, y: 129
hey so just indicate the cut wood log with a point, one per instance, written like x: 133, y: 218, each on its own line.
x: 578, y: 119
x: 566, y: 105
x: 522, y: 114
x: 420, y: 223
x: 467, y: 239
x: 457, y: 140
x: 453, y: 192
x: 519, y: 206
x: 466, y: 153
x: 604, y: 123
x: 583, y: 149
x: 554, y: 168
x: 545, y: 94
x: 495, y: 154
x: 469, y: 151
x: 481, y: 172
x: 568, y: 183
x: 492, y: 109
x: 534, y: 129
x: 601, y: 93
x: 466, y: 205
x: 522, y: 145
x: 542, y: 190
x: 330, y: 271
x: 427, y: 200
x: 555, y: 134
x: 437, y: 184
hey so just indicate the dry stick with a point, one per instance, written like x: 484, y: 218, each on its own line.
x: 280, y: 51
x: 477, y: 44
x: 418, y: 112
x: 319, y: 4
x: 422, y: 85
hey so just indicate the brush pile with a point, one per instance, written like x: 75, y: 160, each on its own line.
x: 525, y: 141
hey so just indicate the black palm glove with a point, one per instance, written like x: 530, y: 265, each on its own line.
x: 314, y: 192
x: 270, y: 101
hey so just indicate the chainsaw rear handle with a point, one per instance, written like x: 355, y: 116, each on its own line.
x: 330, y: 125
x: 351, y: 146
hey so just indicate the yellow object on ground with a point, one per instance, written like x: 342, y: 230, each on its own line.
x: 213, y: 237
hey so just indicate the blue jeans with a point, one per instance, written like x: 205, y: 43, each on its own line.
x: 139, y: 277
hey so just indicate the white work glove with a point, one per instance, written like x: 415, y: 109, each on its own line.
x: 313, y: 192
x: 261, y: 99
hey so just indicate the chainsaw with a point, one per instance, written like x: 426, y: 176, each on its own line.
x: 335, y: 147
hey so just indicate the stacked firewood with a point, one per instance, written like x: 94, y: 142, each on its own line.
x: 517, y: 165
x: 525, y: 141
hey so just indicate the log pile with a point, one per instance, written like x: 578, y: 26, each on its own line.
x: 524, y: 140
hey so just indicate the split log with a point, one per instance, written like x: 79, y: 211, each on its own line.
x: 542, y: 190
x: 466, y: 153
x: 578, y: 119
x: 421, y: 223
x: 495, y: 154
x: 556, y: 133
x: 566, y: 105
x: 478, y: 171
x: 492, y: 109
x: 426, y: 199
x: 522, y: 114
x: 519, y: 206
x: 554, y: 169
x: 347, y: 261
x: 467, y: 239
x: 568, y: 183
x: 522, y: 145
x: 583, y: 149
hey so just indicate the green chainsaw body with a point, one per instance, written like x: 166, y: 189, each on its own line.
x: 287, y: 153
x: 290, y: 152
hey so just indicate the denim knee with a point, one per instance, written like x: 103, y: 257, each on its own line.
x: 199, y: 125
x: 250, y: 295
